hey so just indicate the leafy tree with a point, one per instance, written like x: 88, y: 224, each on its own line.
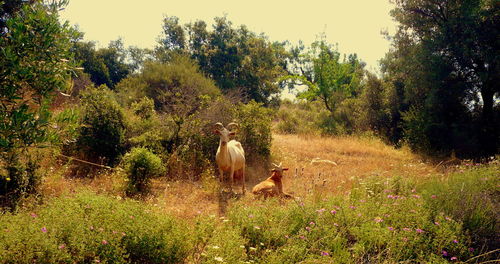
x: 446, y: 56
x: 236, y: 58
x: 106, y: 65
x: 328, y: 79
x: 34, y: 56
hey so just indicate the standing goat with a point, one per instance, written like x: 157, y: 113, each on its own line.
x: 230, y: 155
x: 273, y: 185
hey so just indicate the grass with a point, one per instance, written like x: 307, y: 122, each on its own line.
x: 378, y: 205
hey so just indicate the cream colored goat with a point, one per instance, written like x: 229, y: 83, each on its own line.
x: 230, y: 155
x: 272, y: 186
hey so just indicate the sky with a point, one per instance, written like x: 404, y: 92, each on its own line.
x: 354, y: 25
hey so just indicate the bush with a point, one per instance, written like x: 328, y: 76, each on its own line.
x: 90, y: 228
x: 19, y: 177
x: 102, y: 132
x: 255, y: 130
x: 141, y: 165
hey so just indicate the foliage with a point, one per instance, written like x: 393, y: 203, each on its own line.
x: 102, y: 131
x: 92, y: 228
x: 141, y: 165
x: 105, y: 65
x: 237, y: 59
x: 255, y: 130
x: 34, y: 55
x: 445, y: 60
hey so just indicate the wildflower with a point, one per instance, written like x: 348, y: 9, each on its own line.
x: 405, y: 239
x: 252, y: 249
x: 471, y: 249
x: 262, y: 244
x: 321, y: 210
x: 308, y: 228
x: 324, y: 253
x: 352, y: 207
x: 219, y: 259
x: 302, y: 237
x: 378, y: 219
x: 311, y: 223
x: 445, y: 254
x: 250, y: 216
x: 433, y: 196
x: 335, y: 224
x: 406, y: 229
x: 416, y: 196
x: 333, y: 212
x: 453, y: 258
x: 390, y: 228
x: 241, y: 246
x: 359, y: 214
x: 256, y: 227
x: 104, y: 242
x: 44, y: 229
x: 123, y: 233
x: 413, y: 190
x: 62, y: 246
x: 455, y: 241
x: 97, y: 261
x: 34, y: 215
x: 215, y: 247
x: 363, y: 201
x: 447, y: 218
x: 132, y: 217
x: 225, y: 220
x: 91, y: 228
x: 419, y: 230
x: 436, y: 223
x: 287, y: 236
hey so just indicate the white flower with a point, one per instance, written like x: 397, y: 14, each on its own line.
x: 215, y: 247
x: 219, y: 259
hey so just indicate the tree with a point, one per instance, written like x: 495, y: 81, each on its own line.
x: 34, y: 62
x: 328, y: 79
x: 236, y: 58
x: 453, y: 47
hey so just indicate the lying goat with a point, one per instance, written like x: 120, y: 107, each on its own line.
x: 230, y: 155
x: 272, y: 186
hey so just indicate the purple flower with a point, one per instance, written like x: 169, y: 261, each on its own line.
x: 416, y: 196
x: 324, y: 253
x: 335, y: 224
x: 447, y: 218
x: 287, y: 236
x: 453, y: 258
x: 378, y: 219
x: 419, y: 230
x: 104, y: 242
x: 311, y: 223
x: 302, y: 237
x: 433, y: 196
x: 445, y: 254
x: 44, y: 229
x: 391, y: 228
x: 34, y: 215
x: 352, y: 207
x: 321, y: 210
x: 406, y: 229
x: 333, y: 212
x: 62, y: 246
x: 455, y: 241
x: 436, y: 223
x: 308, y: 228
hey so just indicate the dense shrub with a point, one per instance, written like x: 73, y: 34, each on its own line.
x: 141, y: 165
x: 92, y: 229
x: 254, y: 130
x: 102, y: 132
x: 19, y: 176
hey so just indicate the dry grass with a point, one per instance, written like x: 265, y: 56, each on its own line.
x: 356, y: 158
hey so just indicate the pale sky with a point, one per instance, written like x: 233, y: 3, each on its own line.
x: 354, y: 24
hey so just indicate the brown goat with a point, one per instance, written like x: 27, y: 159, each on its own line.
x: 273, y: 185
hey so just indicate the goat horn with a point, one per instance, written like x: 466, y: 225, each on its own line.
x: 218, y: 126
x: 230, y: 126
x: 275, y: 165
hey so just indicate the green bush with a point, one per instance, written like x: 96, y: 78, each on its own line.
x: 90, y: 228
x: 19, y: 177
x: 254, y: 130
x: 141, y: 165
x: 102, y: 132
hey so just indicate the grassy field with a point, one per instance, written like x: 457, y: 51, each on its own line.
x: 376, y: 204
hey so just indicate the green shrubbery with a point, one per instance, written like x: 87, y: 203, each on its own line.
x: 383, y: 220
x: 89, y: 229
x: 141, y: 165
x: 102, y: 130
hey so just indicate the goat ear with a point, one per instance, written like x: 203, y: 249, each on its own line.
x: 285, y: 169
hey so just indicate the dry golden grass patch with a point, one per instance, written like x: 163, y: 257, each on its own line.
x: 356, y: 158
